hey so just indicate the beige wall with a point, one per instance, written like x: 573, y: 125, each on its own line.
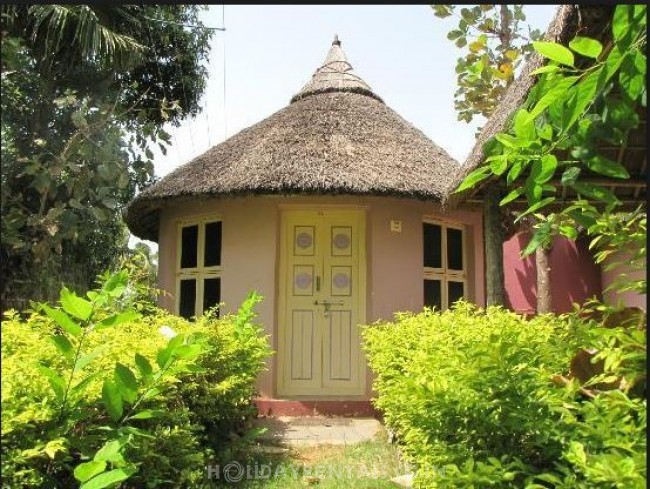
x: 250, y: 253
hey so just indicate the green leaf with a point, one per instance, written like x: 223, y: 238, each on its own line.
x: 153, y: 392
x: 511, y: 196
x: 55, y: 381
x: 63, y: 320
x: 163, y: 357
x: 524, y: 126
x: 508, y: 141
x: 632, y: 82
x: 116, y: 284
x: 545, y: 69
x: 570, y: 175
x: 126, y: 376
x: 116, y: 319
x: 499, y: 164
x: 146, y: 414
x: 63, y: 345
x: 605, y: 166
x: 621, y: 21
x: 110, y: 452
x: 84, y: 360
x: 535, y: 207
x: 581, y: 218
x: 585, y: 92
x: 538, y: 238
x: 99, y: 214
x: 555, y: 52
x: 544, y: 169
x: 143, y: 365
x: 109, y: 478
x: 569, y: 231
x: 473, y: 178
x: 595, y: 192
x: 591, y: 48
x: 515, y: 171
x: 112, y: 399
x: 86, y: 470
x: 81, y: 385
x: 545, y: 132
x: 533, y: 190
x: 75, y: 305
x: 555, y: 91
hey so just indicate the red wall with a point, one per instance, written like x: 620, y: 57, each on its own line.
x: 574, y: 275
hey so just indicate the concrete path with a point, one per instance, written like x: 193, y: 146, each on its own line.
x: 316, y: 430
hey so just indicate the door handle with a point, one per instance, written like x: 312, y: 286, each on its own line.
x: 329, y: 303
x: 326, y: 305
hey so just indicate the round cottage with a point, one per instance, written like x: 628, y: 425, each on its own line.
x: 330, y: 208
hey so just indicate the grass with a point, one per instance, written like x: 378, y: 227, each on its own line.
x: 367, y: 465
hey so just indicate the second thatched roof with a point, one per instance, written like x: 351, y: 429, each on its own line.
x: 335, y: 137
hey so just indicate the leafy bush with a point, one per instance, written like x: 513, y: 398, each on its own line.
x: 118, y: 399
x: 482, y: 398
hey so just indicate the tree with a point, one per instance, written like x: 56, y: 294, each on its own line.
x: 86, y: 92
x: 494, y: 45
x: 585, y: 97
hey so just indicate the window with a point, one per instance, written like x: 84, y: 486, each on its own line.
x: 198, y: 269
x: 445, y: 277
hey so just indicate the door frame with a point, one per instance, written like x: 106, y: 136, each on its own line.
x: 282, y: 273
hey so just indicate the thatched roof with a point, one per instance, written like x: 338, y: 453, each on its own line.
x: 335, y: 137
x: 569, y: 20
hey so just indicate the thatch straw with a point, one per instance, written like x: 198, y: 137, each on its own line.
x: 336, y: 137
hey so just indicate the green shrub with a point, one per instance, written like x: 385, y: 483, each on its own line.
x: 474, y: 397
x: 184, y: 418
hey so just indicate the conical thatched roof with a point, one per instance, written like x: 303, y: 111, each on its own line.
x: 335, y: 137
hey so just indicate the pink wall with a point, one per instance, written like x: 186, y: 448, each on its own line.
x: 574, y: 276
x: 250, y: 253
x: 630, y: 299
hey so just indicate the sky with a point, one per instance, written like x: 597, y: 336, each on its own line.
x: 269, y: 52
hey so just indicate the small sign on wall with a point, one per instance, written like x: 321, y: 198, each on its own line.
x: 395, y: 226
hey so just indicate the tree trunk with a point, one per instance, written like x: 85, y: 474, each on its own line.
x: 495, y: 291
x: 543, y: 280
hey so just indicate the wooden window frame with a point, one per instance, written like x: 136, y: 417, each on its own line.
x: 444, y: 274
x: 200, y: 272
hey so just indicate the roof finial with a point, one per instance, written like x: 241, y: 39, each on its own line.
x: 336, y: 41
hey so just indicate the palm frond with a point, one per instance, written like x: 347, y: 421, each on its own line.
x: 79, y: 26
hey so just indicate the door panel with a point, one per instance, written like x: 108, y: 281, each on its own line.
x: 302, y: 345
x: 321, y: 303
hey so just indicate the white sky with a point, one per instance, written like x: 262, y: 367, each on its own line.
x: 271, y: 51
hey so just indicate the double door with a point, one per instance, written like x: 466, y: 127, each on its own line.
x: 321, y: 303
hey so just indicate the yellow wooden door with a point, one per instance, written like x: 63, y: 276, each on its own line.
x: 321, y: 303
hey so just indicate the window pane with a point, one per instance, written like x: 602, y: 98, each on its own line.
x: 456, y: 290
x: 211, y: 292
x: 432, y: 245
x: 432, y: 294
x: 212, y: 244
x: 189, y: 242
x: 188, y: 298
x: 454, y: 249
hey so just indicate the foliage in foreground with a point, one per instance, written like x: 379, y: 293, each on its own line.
x: 482, y: 398
x: 587, y: 97
x: 96, y: 394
